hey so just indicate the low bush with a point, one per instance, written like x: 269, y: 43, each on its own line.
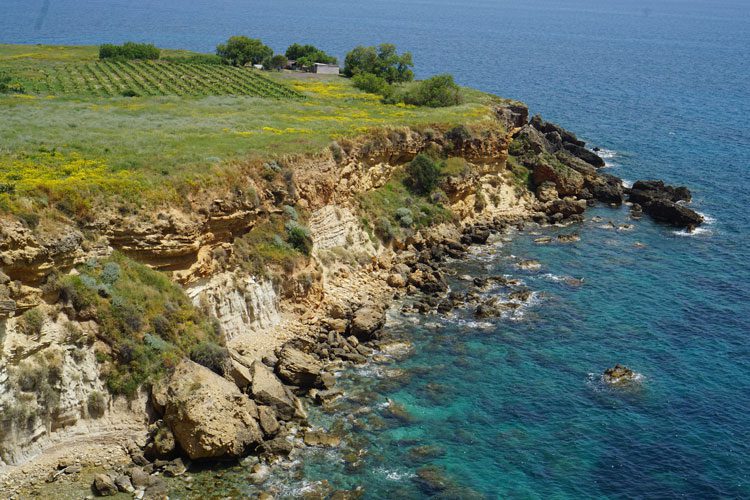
x: 437, y: 92
x: 384, y: 229
x: 299, y: 238
x: 422, y: 175
x: 9, y: 86
x: 212, y: 356
x: 404, y: 217
x: 373, y: 84
x: 96, y: 404
x: 31, y: 322
x: 128, y: 51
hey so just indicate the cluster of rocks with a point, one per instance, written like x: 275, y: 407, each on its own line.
x: 619, y: 374
x: 566, y: 178
x: 664, y: 203
x: 421, y: 274
x: 255, y: 408
x: 141, y: 481
x: 565, y: 174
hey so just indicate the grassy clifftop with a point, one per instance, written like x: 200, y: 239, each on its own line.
x: 70, y: 135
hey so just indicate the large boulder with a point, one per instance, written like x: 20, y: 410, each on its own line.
x: 366, y: 322
x: 512, y: 115
x: 532, y: 140
x: 606, y: 188
x: 549, y: 128
x: 298, y: 368
x: 603, y: 187
x: 567, y: 207
x: 546, y: 168
x: 208, y: 415
x: 267, y: 389
x: 670, y: 212
x: 104, y: 485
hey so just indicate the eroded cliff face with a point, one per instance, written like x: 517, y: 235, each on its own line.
x: 51, y: 387
x: 242, y: 304
x: 50, y: 381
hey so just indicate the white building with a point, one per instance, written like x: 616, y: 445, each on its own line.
x: 325, y: 69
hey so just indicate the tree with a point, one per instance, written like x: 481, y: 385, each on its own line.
x: 277, y: 62
x: 307, y: 55
x: 382, y: 61
x: 241, y: 50
x: 436, y: 92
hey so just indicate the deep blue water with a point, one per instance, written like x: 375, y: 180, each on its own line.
x: 516, y: 409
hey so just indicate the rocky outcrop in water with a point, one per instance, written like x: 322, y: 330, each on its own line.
x: 619, y: 374
x: 664, y: 203
x: 562, y: 171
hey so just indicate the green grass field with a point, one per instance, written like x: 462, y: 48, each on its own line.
x: 151, y: 146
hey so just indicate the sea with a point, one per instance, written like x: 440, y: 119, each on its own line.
x: 515, y: 407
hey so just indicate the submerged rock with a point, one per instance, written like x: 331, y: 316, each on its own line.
x: 568, y: 238
x: 320, y: 438
x: 530, y: 265
x: 619, y: 374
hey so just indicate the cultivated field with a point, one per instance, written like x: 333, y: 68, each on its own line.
x: 174, y: 137
x: 151, y: 78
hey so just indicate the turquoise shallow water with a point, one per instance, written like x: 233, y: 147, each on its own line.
x: 515, y: 408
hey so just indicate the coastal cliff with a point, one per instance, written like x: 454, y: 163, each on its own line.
x: 278, y: 316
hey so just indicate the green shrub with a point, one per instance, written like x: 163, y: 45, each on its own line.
x: 211, y: 355
x: 436, y: 92
x: 404, y: 217
x: 30, y: 219
x: 9, y: 86
x: 373, y: 84
x: 299, y: 238
x: 32, y: 321
x: 422, y: 175
x: 384, y: 229
x: 241, y: 50
x: 96, y: 404
x: 130, y: 93
x: 128, y: 51
x: 291, y: 212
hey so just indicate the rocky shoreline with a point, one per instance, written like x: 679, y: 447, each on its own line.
x: 255, y: 404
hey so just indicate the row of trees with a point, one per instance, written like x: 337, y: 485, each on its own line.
x: 128, y: 51
x: 241, y: 50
